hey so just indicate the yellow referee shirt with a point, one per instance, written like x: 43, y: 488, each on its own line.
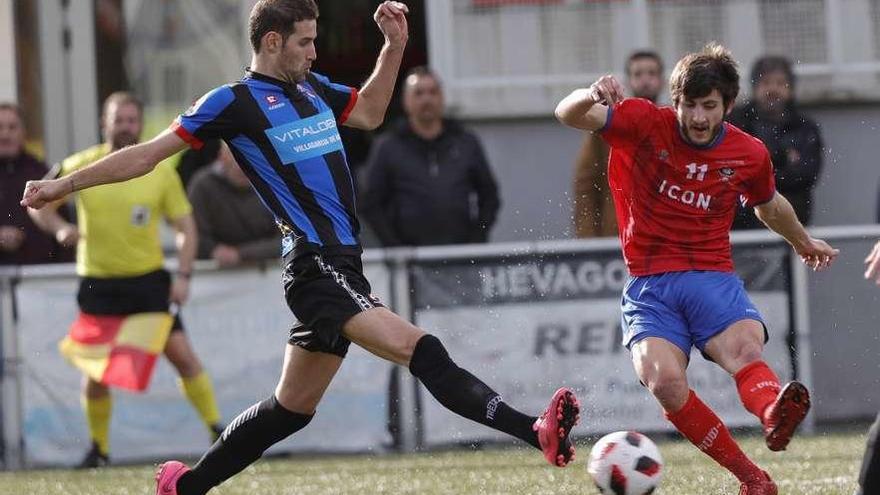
x: 119, y: 223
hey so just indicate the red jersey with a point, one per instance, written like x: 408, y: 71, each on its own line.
x: 675, y: 201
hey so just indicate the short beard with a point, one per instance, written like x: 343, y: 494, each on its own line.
x: 123, y: 140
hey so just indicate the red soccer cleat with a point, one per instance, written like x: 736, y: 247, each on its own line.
x: 764, y: 486
x: 167, y: 476
x: 782, y: 418
x: 554, y: 426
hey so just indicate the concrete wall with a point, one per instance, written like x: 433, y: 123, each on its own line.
x: 533, y: 162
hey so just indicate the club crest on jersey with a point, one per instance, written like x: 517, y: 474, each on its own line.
x: 726, y: 173
x: 663, y: 155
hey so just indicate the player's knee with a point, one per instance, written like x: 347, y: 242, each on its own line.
x: 404, y: 350
x: 749, y: 352
x: 671, y: 390
x: 298, y: 399
x: 429, y: 356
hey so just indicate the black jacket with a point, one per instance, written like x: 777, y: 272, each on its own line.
x: 37, y: 246
x: 422, y: 192
x: 795, y: 146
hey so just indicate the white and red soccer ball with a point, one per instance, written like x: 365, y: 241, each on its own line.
x: 625, y: 463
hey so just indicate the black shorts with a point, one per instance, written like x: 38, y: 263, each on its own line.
x: 127, y: 295
x: 324, y: 292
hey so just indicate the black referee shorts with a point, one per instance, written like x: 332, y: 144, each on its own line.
x: 324, y: 293
x: 127, y: 295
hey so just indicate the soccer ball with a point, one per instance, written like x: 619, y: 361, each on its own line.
x: 625, y: 463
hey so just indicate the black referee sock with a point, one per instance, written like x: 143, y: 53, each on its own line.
x: 464, y: 394
x: 241, y: 444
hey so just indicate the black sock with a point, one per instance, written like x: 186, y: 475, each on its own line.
x: 464, y: 394
x: 869, y: 477
x: 241, y: 444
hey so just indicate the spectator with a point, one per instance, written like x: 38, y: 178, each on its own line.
x: 593, y: 206
x: 192, y: 161
x: 234, y: 226
x: 21, y: 242
x: 794, y: 142
x: 428, y: 181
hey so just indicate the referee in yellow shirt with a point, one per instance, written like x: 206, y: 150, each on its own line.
x: 120, y: 263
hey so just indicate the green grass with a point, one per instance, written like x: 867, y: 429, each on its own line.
x: 813, y: 465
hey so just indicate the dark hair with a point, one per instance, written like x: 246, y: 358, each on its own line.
x: 639, y: 55
x: 769, y: 64
x: 123, y: 98
x: 279, y: 16
x: 698, y: 74
x: 13, y: 107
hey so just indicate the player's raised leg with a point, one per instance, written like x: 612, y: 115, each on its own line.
x: 661, y: 366
x: 738, y: 350
x: 391, y: 337
x: 304, y: 379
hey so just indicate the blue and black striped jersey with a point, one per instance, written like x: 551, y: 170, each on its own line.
x: 285, y: 138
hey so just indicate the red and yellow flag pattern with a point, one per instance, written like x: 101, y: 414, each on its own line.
x: 117, y: 351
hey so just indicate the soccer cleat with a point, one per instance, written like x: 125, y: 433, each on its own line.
x: 94, y: 458
x: 782, y: 418
x: 760, y: 486
x: 554, y: 427
x: 168, y: 475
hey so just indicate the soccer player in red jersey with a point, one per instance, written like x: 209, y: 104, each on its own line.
x: 677, y: 174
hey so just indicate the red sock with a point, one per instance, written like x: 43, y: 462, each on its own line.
x: 758, y: 387
x: 704, y: 428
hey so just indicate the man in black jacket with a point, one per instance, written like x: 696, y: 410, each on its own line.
x: 793, y: 140
x: 21, y: 242
x: 428, y: 180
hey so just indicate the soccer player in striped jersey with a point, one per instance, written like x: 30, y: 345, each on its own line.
x: 280, y: 121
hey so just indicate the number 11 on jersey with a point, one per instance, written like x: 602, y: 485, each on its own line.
x: 697, y: 170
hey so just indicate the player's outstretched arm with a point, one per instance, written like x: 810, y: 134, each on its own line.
x: 780, y: 217
x: 375, y: 95
x: 587, y: 108
x: 119, y: 166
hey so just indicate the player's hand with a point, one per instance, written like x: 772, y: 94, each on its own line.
x: 179, y: 291
x: 39, y: 193
x: 817, y: 254
x: 607, y: 90
x: 226, y: 256
x: 11, y: 238
x: 873, y: 261
x: 391, y: 18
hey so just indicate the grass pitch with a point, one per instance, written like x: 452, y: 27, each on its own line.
x: 826, y: 464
